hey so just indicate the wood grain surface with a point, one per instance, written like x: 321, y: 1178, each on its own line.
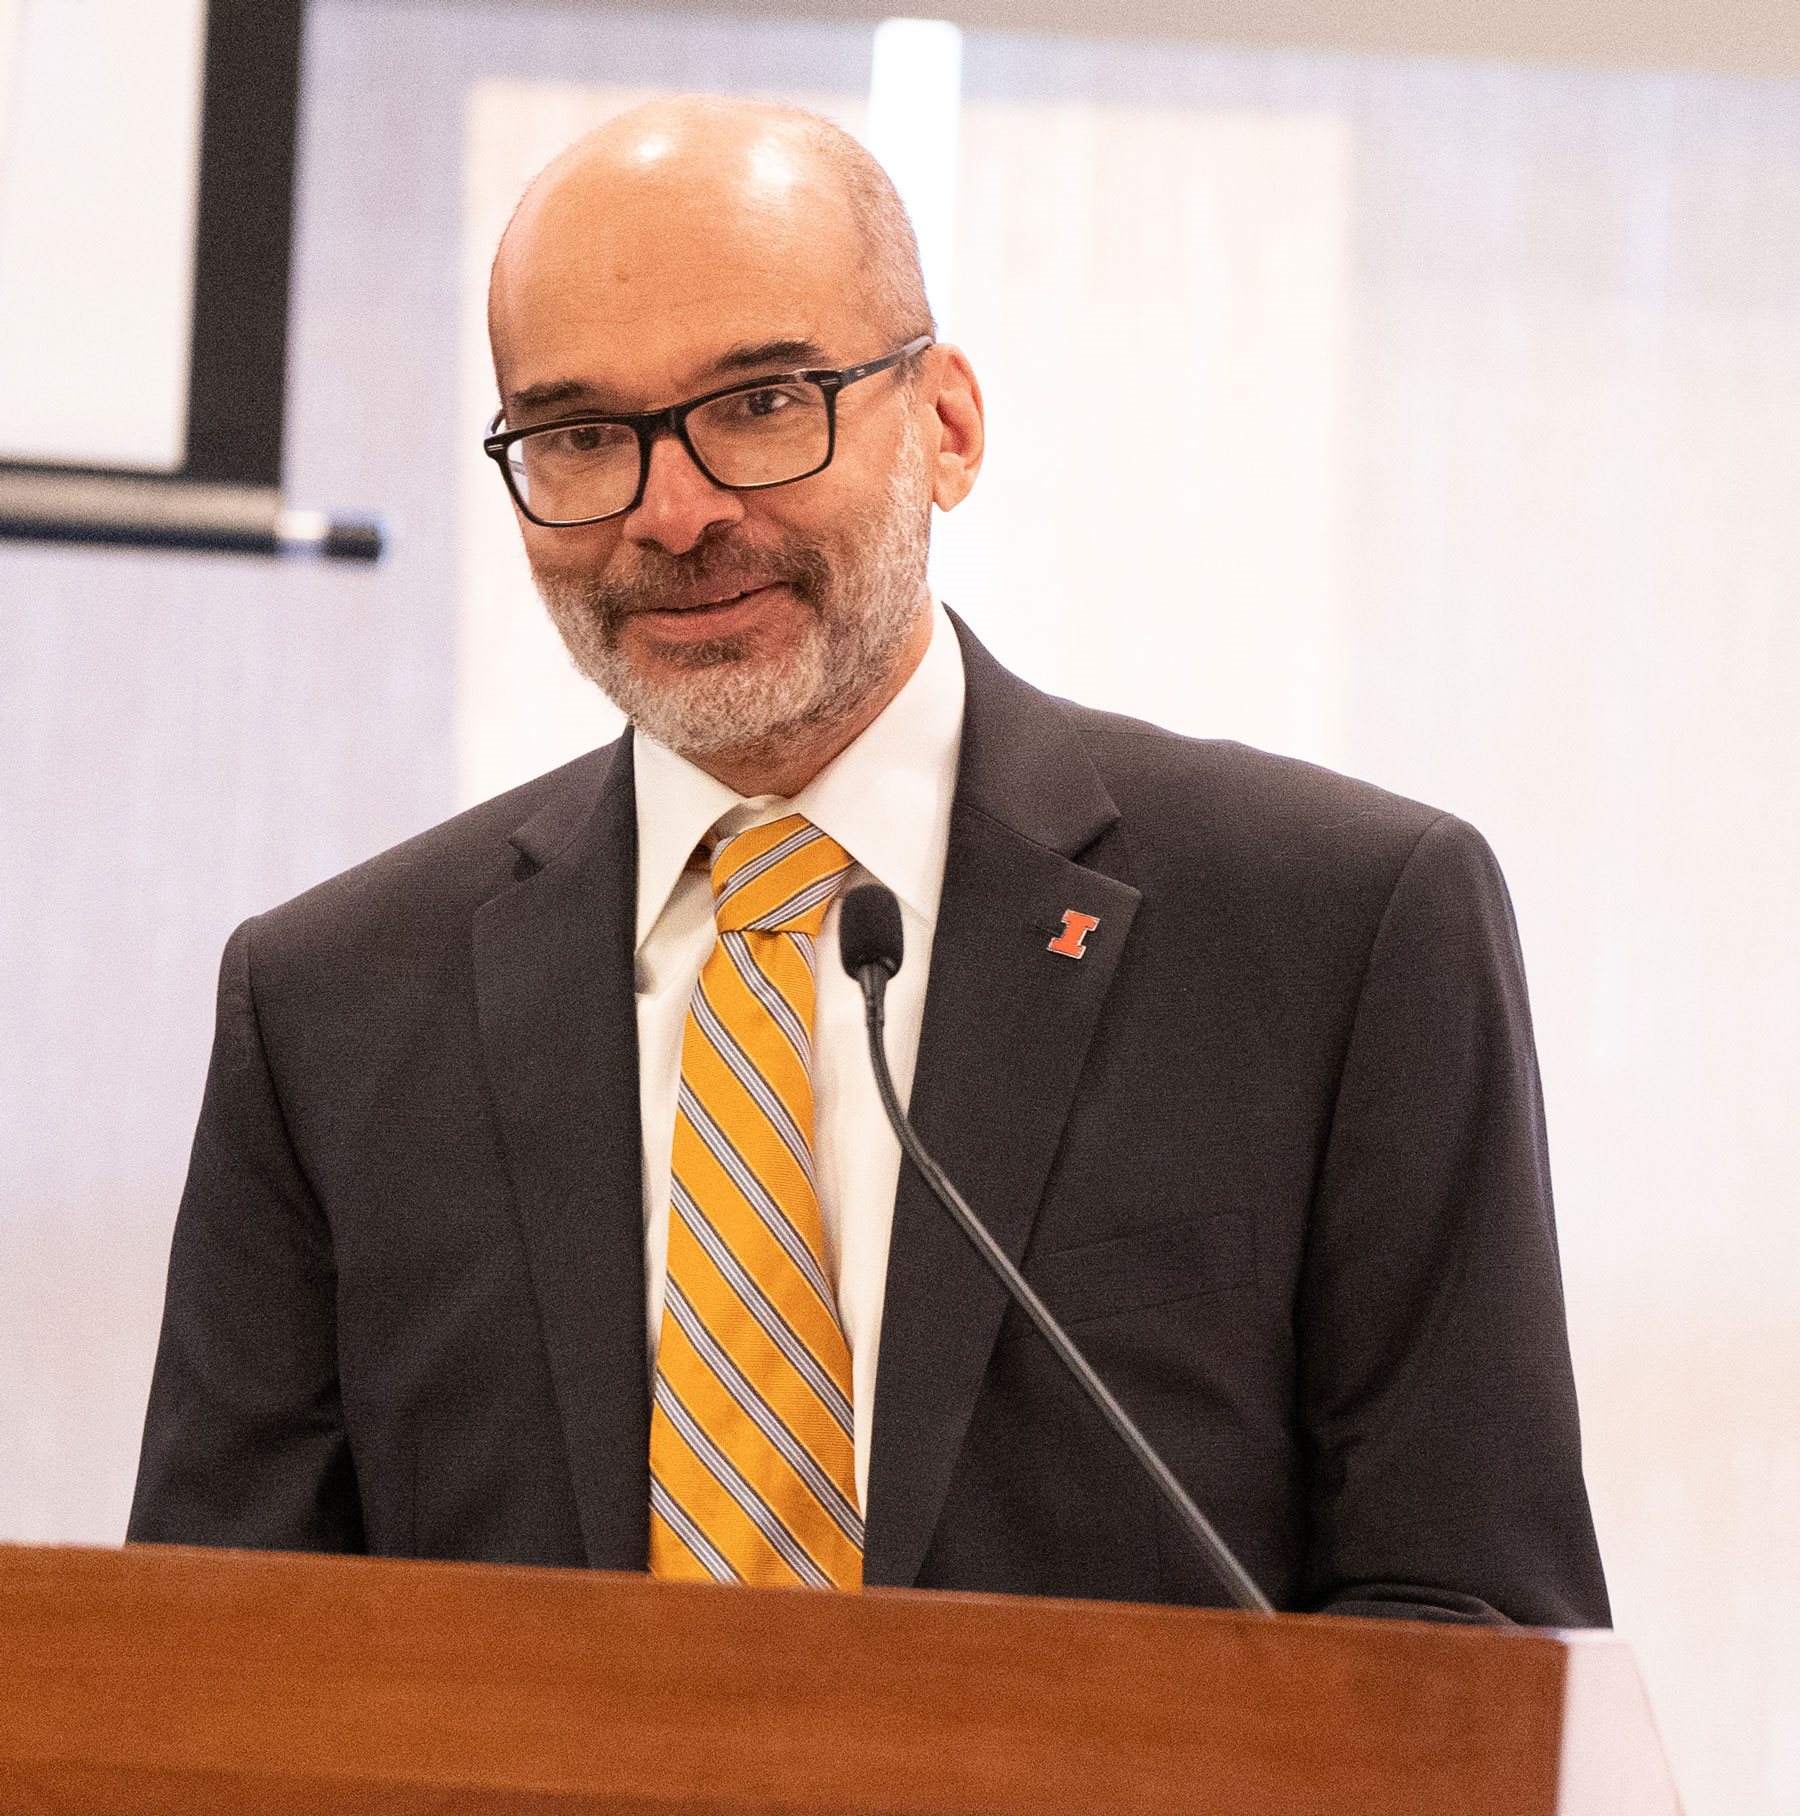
x: 163, y: 1681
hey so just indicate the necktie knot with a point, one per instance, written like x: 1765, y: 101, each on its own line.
x: 777, y: 878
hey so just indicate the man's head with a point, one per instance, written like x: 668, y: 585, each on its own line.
x: 692, y: 245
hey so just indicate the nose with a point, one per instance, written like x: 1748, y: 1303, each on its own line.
x: 679, y: 503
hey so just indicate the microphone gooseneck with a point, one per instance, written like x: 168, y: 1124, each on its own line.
x: 871, y: 947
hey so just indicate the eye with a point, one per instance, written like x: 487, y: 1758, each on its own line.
x: 778, y: 410
x: 762, y: 402
x: 591, y: 437
x: 768, y: 400
x: 581, y: 441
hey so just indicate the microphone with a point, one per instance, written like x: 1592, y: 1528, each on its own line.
x: 871, y: 945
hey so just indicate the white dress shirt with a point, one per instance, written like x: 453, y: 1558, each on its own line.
x: 886, y: 800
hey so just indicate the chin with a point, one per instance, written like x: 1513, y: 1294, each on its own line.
x: 691, y: 658
x: 725, y: 694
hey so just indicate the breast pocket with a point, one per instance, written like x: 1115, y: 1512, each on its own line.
x: 1206, y: 1252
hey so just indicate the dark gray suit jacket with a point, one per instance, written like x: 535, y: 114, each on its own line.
x: 1273, y: 1149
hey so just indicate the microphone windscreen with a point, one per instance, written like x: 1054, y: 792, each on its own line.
x: 869, y: 929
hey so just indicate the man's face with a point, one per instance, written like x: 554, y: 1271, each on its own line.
x: 718, y: 620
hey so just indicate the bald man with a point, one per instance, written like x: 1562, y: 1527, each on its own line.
x: 1232, y: 1053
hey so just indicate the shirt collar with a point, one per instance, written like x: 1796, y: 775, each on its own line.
x: 885, y: 798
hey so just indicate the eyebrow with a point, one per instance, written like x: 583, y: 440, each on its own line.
x: 748, y: 357
x: 777, y: 355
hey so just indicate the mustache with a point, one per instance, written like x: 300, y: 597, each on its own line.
x: 719, y: 565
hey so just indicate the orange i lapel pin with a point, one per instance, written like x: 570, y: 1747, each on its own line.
x: 1072, y: 941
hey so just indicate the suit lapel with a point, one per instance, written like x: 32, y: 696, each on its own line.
x: 553, y: 975
x: 1006, y: 1031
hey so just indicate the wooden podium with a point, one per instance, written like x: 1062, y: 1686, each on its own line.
x: 155, y: 1681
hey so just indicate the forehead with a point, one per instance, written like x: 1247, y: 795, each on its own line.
x: 636, y: 289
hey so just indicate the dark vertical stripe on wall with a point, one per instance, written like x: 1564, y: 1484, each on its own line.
x: 246, y: 201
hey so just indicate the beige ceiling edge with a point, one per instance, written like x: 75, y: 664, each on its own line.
x: 1732, y: 37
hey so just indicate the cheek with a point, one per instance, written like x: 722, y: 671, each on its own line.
x: 830, y: 508
x: 582, y: 551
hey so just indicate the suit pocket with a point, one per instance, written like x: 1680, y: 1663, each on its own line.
x: 1196, y: 1255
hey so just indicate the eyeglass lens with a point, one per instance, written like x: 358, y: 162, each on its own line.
x: 758, y: 437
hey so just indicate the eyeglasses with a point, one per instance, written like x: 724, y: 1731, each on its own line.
x: 769, y: 432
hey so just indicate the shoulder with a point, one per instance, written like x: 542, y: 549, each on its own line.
x: 1289, y: 872
x: 1235, y: 787
x: 416, y: 892
x: 1230, y: 809
x: 1209, y: 826
x: 1179, y: 799
x: 1290, y: 864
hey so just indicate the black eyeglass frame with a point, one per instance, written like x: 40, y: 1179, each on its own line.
x: 649, y: 424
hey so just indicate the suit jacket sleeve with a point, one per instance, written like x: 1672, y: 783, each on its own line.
x: 244, y: 1443
x: 1436, y: 1391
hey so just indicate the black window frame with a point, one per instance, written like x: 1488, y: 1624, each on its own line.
x: 243, y: 233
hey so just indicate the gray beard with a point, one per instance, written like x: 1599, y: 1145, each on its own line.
x: 863, y: 612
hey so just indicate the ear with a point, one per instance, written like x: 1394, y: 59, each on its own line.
x: 959, y: 426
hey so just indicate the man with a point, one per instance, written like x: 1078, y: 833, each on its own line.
x: 541, y: 1208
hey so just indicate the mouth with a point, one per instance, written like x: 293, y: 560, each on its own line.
x: 717, y: 616
x: 717, y: 602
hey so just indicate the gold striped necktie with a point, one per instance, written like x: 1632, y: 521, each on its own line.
x: 752, y: 1454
